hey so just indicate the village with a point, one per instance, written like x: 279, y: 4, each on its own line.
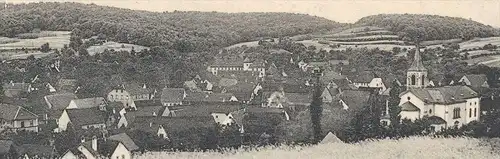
x: 244, y: 93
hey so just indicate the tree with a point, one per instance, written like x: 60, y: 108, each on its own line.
x: 83, y: 52
x: 396, y: 50
x: 316, y: 111
x: 45, y: 47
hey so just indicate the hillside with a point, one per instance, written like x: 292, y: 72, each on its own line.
x: 430, y: 27
x: 186, y: 31
x: 414, y: 147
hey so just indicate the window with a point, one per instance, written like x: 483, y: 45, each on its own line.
x: 475, y: 103
x: 475, y: 112
x: 430, y: 111
x: 423, y: 81
x: 111, y: 96
x: 470, y: 103
x: 409, y: 98
x: 22, y: 124
x: 413, y: 80
x: 456, y: 113
x: 123, y: 156
x: 470, y: 112
x: 117, y: 157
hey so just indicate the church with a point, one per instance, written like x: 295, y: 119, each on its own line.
x: 446, y: 106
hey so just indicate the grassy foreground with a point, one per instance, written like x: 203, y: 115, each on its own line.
x: 414, y: 147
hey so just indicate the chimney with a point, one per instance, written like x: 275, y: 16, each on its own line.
x: 94, y: 143
x: 150, y: 124
x: 144, y: 86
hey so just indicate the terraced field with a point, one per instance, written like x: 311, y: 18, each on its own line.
x: 115, y: 46
x: 56, y: 40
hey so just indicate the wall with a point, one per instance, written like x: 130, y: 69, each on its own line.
x: 222, y: 118
x: 94, y: 126
x: 63, y: 121
x: 412, y: 115
x: 69, y: 155
x: 450, y: 122
x: 121, y: 152
x: 474, y: 105
x: 414, y: 100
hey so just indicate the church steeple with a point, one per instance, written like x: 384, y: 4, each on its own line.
x: 417, y: 73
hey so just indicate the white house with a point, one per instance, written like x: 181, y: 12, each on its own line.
x: 82, y: 119
x: 17, y: 118
x: 475, y: 81
x: 121, y: 146
x: 237, y: 65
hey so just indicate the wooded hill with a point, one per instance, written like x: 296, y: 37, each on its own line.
x: 429, y: 27
x: 186, y: 31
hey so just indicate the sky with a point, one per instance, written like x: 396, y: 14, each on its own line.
x: 344, y: 11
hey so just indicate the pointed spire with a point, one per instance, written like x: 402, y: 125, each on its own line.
x: 417, y: 64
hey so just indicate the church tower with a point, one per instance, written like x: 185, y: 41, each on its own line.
x: 416, y: 77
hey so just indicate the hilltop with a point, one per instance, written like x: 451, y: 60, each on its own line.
x: 430, y: 27
x: 186, y: 31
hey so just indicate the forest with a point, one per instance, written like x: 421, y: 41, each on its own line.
x: 429, y: 27
x: 182, y: 30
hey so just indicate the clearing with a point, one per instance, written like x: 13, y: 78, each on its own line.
x: 479, y: 42
x: 110, y: 45
x: 411, y: 148
x: 56, y: 40
x: 491, y: 61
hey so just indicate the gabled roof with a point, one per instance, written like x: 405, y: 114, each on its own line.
x: 5, y: 146
x: 137, y: 89
x: 173, y: 125
x: 477, y: 80
x: 331, y: 138
x: 33, y: 150
x: 88, y: 116
x: 329, y: 76
x: 337, y: 62
x: 89, y: 102
x: 408, y: 106
x: 60, y: 101
x: 66, y: 82
x: 218, y: 97
x: 355, y: 99
x: 206, y: 109
x: 363, y: 77
x: 444, y: 95
x: 125, y: 140
x: 172, y: 95
x: 147, y: 103
x: 12, y: 112
x: 149, y: 111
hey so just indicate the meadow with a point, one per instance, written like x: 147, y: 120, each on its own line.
x: 110, y: 45
x: 56, y: 40
x: 408, y: 148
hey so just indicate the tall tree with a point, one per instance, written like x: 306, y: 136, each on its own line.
x: 316, y: 109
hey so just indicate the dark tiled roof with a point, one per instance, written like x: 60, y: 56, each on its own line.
x: 5, y: 146
x: 329, y: 76
x: 16, y: 86
x: 408, y: 106
x: 444, y: 95
x: 172, y: 125
x: 355, y: 99
x: 137, y: 89
x: 172, y: 95
x: 33, y: 150
x: 147, y: 103
x: 60, y: 101
x: 149, y: 111
x: 89, y: 102
x: 12, y: 112
x: 89, y: 116
x: 125, y: 140
x: 363, y: 77
x: 205, y: 109
x: 477, y: 80
x: 298, y: 98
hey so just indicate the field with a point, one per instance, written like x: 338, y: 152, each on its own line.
x: 56, y: 40
x: 115, y: 46
x: 479, y: 42
x: 410, y: 148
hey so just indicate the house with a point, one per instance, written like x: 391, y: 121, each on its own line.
x: 236, y: 64
x: 18, y: 118
x: 82, y: 119
x: 456, y: 105
x: 475, y: 81
x: 118, y: 146
x: 172, y: 96
x: 59, y: 101
x: 66, y: 85
x: 50, y: 88
x: 151, y: 108
x: 97, y: 102
x: 221, y: 112
x: 353, y: 100
x: 367, y: 79
x: 16, y: 90
x: 33, y: 151
x: 329, y: 93
x: 169, y: 128
x: 7, y: 150
x: 300, y: 101
x: 322, y: 65
x: 129, y: 93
